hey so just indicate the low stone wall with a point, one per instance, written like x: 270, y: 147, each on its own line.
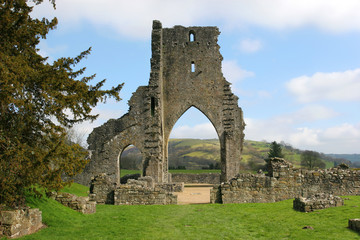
x: 171, y: 187
x: 285, y: 182
x: 80, y: 204
x: 319, y: 201
x: 354, y: 224
x: 17, y: 223
x: 210, y: 178
x: 102, y: 189
x: 142, y: 192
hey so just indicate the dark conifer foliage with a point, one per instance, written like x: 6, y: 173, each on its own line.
x: 38, y: 101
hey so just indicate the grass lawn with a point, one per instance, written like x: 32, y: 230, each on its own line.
x: 205, y: 221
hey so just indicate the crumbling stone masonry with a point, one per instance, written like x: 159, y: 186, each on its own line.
x: 285, y: 182
x: 317, y: 202
x: 17, y: 223
x: 80, y: 204
x: 185, y: 72
x: 209, y: 178
x: 143, y: 191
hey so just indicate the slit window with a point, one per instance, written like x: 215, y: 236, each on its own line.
x: 152, y: 106
x: 192, y: 67
x: 191, y: 36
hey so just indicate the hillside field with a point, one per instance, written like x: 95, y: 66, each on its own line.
x: 194, y: 154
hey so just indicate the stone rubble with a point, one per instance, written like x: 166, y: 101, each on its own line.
x: 80, y: 204
x: 317, y: 202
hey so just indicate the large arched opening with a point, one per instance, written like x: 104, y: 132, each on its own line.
x: 194, y: 156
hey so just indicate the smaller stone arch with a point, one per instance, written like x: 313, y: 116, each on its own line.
x: 120, y: 158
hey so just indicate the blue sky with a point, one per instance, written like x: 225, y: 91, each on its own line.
x: 295, y: 65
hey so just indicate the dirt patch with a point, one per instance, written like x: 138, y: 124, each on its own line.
x: 194, y: 195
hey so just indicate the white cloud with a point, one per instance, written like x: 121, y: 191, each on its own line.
x: 134, y: 18
x: 343, y: 132
x: 200, y: 131
x: 250, y: 45
x: 311, y: 113
x: 233, y: 72
x: 336, y: 86
x: 305, y: 137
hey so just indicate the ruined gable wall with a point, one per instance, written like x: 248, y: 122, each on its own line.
x: 173, y: 88
x: 192, y: 76
x: 184, y: 88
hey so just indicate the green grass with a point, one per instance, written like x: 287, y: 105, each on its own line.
x: 77, y: 189
x: 124, y: 172
x: 205, y: 221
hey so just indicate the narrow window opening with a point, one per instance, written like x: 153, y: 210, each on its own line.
x: 191, y: 36
x: 152, y: 106
x: 192, y: 67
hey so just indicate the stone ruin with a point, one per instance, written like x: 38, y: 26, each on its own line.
x: 317, y: 202
x: 79, y: 204
x: 354, y: 224
x: 17, y: 223
x: 185, y: 62
x: 186, y: 72
x: 285, y: 182
x: 143, y: 191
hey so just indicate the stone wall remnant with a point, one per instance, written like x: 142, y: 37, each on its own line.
x: 209, y: 178
x: 285, y: 182
x: 354, y: 224
x: 102, y: 189
x: 317, y: 202
x: 17, y: 223
x: 80, y: 204
x: 143, y: 192
x: 181, y: 68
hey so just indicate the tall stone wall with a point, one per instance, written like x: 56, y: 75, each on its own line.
x: 285, y: 182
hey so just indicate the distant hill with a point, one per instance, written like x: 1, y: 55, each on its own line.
x: 205, y: 154
x: 354, y: 158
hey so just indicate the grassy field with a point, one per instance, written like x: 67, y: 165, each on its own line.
x: 205, y: 221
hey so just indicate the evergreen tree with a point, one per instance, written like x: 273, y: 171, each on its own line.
x: 38, y: 100
x: 274, y: 151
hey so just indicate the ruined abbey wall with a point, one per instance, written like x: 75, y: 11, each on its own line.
x: 185, y: 73
x: 285, y: 182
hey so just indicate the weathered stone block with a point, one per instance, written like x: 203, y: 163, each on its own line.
x: 18, y: 223
x: 354, y: 224
x: 318, y: 201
